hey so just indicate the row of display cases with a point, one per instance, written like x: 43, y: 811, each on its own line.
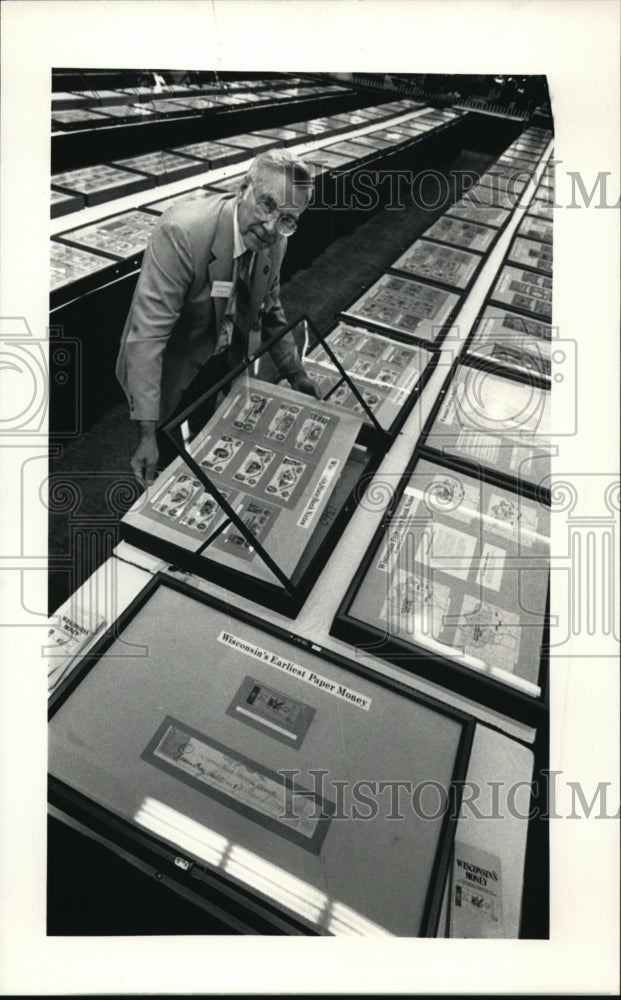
x: 84, y: 98
x: 102, y: 108
x: 73, y: 189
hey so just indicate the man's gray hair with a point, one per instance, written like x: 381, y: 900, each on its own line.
x: 282, y: 159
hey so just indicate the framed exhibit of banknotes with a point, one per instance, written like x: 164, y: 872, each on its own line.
x: 498, y: 426
x: 232, y: 758
x: 408, y: 308
x: 440, y: 264
x: 255, y: 499
x: 454, y: 587
x: 525, y: 291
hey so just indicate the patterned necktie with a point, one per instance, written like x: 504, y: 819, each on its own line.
x: 238, y: 347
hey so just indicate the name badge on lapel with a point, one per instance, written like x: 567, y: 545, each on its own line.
x: 221, y: 289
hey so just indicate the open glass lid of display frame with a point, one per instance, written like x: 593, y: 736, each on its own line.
x: 496, y: 423
x: 233, y: 758
x: 454, y: 587
x: 411, y: 309
x: 257, y: 498
x: 353, y: 366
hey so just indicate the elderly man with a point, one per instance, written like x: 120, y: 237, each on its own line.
x: 208, y: 293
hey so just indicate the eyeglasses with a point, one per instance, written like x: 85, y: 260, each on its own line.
x: 268, y: 211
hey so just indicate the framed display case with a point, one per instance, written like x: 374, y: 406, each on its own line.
x: 531, y: 254
x: 121, y: 237
x: 101, y: 183
x: 411, y: 309
x: 542, y: 208
x: 535, y: 229
x: 475, y: 211
x: 350, y: 150
x: 326, y: 158
x: 76, y: 118
x: 253, y: 144
x: 129, y: 113
x: 74, y: 272
x: 490, y: 196
x: 256, y: 499
x: 513, y: 185
x: 215, y: 154
x: 64, y: 204
x: 441, y: 264
x: 284, y: 136
x: 233, y: 758
x: 159, y: 207
x: 454, y: 587
x: 461, y: 233
x: 496, y: 425
x: 163, y: 167
x: 525, y: 291
x: 389, y: 375
x: 512, y: 342
x: 229, y: 184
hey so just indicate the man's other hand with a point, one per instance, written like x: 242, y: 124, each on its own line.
x: 144, y: 459
x: 302, y: 383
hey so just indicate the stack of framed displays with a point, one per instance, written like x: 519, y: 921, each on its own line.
x: 255, y: 500
x: 235, y: 759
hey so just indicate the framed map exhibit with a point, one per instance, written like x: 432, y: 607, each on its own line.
x: 530, y: 253
x: 438, y: 263
x: 233, y: 758
x: 410, y: 308
x: 497, y: 425
x: 252, y: 501
x: 389, y: 375
x: 121, y: 237
x: 525, y: 291
x: 461, y: 233
x: 454, y: 587
x: 512, y: 341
